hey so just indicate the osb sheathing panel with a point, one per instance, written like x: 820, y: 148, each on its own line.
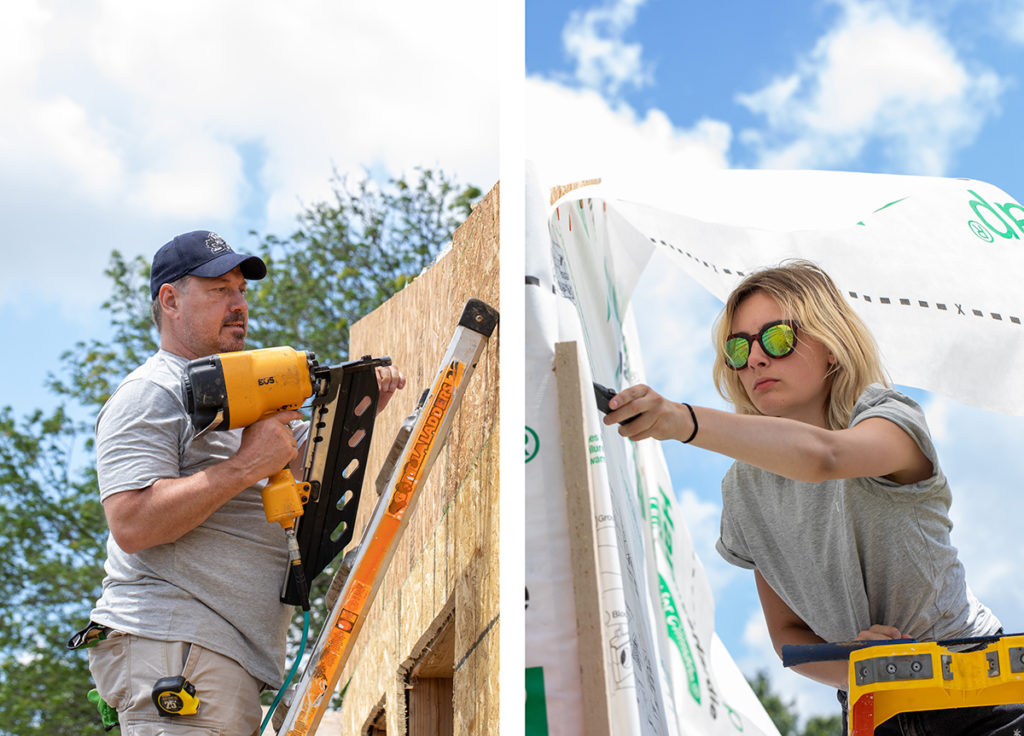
x: 449, y: 549
x: 476, y: 602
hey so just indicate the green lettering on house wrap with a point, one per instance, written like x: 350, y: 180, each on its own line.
x: 677, y: 634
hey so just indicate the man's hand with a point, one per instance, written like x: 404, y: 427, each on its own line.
x: 389, y: 380
x: 267, y: 446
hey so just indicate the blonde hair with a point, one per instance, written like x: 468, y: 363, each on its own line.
x: 807, y: 295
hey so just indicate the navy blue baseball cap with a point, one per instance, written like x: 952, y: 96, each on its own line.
x: 200, y: 253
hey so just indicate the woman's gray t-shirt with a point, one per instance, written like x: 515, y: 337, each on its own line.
x: 846, y: 554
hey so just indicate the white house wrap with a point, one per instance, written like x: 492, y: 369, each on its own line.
x: 932, y: 265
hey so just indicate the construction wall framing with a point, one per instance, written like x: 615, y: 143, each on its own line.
x: 440, y: 596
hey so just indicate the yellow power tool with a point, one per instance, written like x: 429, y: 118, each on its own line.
x: 233, y: 390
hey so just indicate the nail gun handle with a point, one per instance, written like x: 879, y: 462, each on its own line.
x: 284, y: 498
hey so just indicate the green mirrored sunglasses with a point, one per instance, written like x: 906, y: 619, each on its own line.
x: 778, y: 339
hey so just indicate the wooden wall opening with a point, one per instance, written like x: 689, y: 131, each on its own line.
x: 430, y: 690
x: 376, y: 724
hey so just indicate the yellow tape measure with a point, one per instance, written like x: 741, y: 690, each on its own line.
x: 175, y: 696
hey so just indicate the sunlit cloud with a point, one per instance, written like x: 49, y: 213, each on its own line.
x: 124, y: 123
x: 595, y: 40
x: 575, y: 134
x: 881, y: 80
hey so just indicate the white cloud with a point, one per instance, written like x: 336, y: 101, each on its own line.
x: 1014, y: 23
x: 880, y: 77
x: 194, y: 179
x: 604, y: 61
x: 19, y: 49
x: 125, y: 123
x: 697, y: 513
x: 702, y: 520
x: 576, y: 134
x: 937, y: 412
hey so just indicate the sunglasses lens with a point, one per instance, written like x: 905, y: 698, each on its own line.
x: 737, y: 350
x: 778, y: 340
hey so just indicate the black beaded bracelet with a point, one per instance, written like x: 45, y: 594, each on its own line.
x: 693, y: 416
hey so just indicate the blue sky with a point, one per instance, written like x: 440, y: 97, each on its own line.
x: 124, y: 124
x: 665, y: 89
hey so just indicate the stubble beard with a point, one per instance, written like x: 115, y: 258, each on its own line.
x: 231, y: 342
x: 225, y: 341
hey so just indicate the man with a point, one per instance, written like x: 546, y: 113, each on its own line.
x: 194, y: 570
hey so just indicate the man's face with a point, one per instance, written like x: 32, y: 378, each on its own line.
x: 212, y: 315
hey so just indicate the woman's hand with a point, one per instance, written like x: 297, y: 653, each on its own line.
x: 656, y: 416
x: 879, y: 632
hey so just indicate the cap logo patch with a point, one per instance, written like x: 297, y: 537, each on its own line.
x: 216, y: 244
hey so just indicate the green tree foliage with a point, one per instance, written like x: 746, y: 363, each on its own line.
x: 785, y: 717
x: 348, y: 255
x: 823, y: 726
x: 52, y: 536
x: 781, y: 713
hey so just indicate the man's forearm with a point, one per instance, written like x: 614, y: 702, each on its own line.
x: 172, y: 507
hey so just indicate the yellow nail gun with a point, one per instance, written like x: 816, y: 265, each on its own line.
x: 234, y: 390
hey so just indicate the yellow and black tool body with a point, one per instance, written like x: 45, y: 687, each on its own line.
x: 889, y: 676
x: 913, y: 676
x: 233, y: 390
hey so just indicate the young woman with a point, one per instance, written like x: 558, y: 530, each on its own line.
x: 836, y: 500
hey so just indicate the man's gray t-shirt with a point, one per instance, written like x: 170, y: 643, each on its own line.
x: 219, y: 585
x: 846, y: 554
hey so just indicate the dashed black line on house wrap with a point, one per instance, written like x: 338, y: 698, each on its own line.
x: 952, y: 309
